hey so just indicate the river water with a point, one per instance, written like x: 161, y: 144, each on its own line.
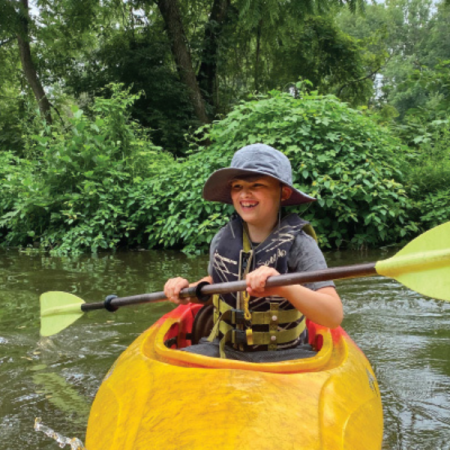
x: 405, y: 336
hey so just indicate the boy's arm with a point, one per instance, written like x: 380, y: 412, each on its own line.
x: 323, y: 306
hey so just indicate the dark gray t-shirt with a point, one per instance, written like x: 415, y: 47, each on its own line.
x: 304, y: 256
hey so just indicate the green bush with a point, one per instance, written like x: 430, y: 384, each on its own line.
x: 428, y: 174
x: 351, y: 165
x: 435, y: 208
x: 425, y: 129
x: 15, y: 175
x: 172, y: 207
x: 428, y: 168
x: 101, y: 183
x: 76, y: 193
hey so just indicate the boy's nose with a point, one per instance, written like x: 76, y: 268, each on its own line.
x: 246, y: 192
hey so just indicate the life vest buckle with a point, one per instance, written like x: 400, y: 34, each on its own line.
x: 238, y: 317
x: 238, y: 337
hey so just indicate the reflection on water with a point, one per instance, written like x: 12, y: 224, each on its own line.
x: 405, y: 336
x: 61, y: 394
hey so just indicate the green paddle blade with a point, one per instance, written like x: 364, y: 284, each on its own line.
x: 424, y: 264
x: 58, y: 311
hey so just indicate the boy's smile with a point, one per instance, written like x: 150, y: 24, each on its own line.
x: 248, y: 205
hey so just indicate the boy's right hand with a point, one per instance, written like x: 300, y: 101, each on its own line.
x: 172, y: 290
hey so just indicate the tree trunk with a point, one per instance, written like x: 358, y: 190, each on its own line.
x: 213, y: 28
x: 172, y: 18
x: 28, y: 66
x: 258, y: 54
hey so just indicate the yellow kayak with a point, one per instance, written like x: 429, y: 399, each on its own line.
x: 156, y: 397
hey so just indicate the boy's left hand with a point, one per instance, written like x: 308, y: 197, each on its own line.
x: 256, y: 282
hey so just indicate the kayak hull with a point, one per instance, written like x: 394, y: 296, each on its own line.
x: 160, y: 398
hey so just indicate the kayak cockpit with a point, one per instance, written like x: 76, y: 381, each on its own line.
x: 175, y: 333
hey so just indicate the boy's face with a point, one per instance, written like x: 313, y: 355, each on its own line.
x: 257, y: 200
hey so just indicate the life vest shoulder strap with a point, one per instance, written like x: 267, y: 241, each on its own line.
x: 309, y: 230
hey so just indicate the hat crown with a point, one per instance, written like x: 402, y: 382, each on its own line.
x: 265, y: 160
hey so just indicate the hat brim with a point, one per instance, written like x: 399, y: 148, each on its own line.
x: 217, y: 187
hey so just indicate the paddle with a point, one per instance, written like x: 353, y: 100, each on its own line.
x: 423, y: 266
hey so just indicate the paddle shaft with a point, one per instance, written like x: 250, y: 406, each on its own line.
x: 355, y: 271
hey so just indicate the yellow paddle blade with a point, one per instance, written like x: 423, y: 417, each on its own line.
x: 424, y: 264
x: 58, y: 311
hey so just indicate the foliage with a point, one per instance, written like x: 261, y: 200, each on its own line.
x: 428, y: 169
x: 13, y: 100
x: 83, y: 46
x: 434, y: 85
x: 140, y: 60
x: 74, y: 194
x: 350, y: 164
x: 426, y: 130
x: 323, y: 54
x: 101, y: 184
x: 269, y: 53
x: 413, y: 93
x: 13, y: 172
x: 435, y: 208
x: 175, y: 213
x: 414, y: 34
x: 429, y: 155
x: 97, y: 179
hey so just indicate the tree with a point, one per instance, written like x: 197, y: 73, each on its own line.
x: 174, y: 23
x: 207, y: 74
x: 16, y: 21
x: 262, y: 22
x: 216, y: 51
x: 411, y: 34
x: 141, y: 59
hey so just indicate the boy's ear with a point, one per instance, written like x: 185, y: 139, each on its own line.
x: 286, y: 192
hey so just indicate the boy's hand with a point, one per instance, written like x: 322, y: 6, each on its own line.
x: 256, y: 282
x: 172, y: 290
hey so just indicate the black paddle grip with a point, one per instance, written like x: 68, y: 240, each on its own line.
x: 107, y: 303
x: 202, y: 298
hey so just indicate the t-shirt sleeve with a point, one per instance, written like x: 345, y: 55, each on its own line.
x: 212, y: 249
x: 305, y: 256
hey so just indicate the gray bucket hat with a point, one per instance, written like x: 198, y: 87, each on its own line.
x: 255, y: 159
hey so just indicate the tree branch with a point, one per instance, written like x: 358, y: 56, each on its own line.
x: 374, y: 72
x: 2, y: 43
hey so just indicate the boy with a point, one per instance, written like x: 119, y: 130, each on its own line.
x: 255, y: 245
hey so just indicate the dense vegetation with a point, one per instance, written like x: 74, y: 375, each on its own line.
x: 112, y: 118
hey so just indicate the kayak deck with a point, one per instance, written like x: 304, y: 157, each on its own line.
x: 160, y: 398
